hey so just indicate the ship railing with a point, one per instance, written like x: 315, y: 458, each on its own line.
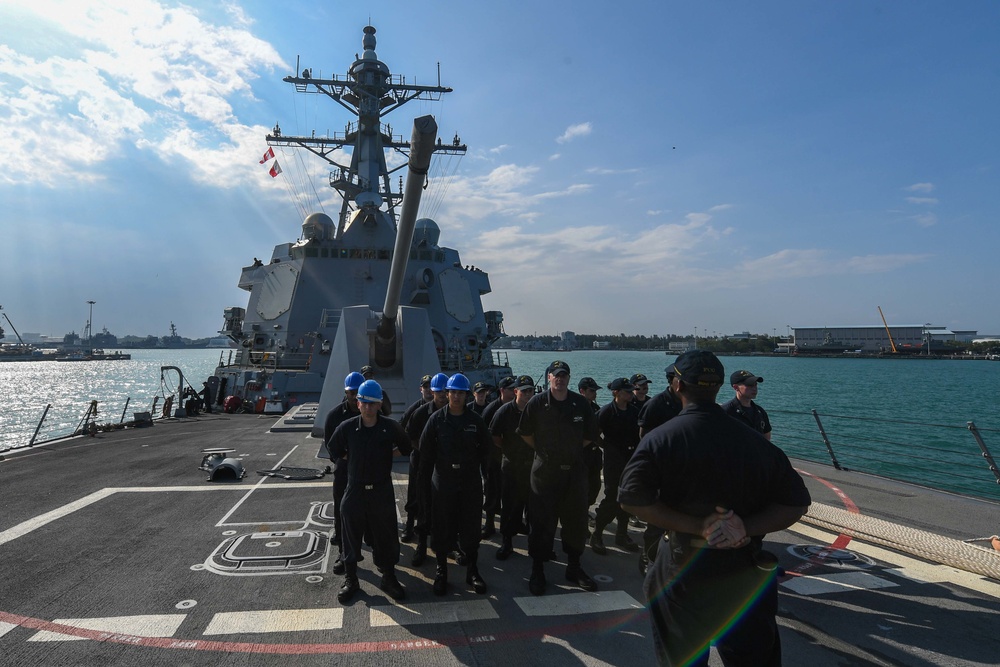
x: 61, y: 423
x: 952, y: 457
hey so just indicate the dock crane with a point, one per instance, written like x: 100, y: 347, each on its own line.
x: 891, y: 341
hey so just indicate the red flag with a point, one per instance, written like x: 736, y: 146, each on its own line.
x: 275, y: 169
x: 268, y: 155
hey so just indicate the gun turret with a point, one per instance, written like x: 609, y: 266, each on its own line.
x: 421, y: 150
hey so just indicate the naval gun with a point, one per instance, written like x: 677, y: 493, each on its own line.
x: 398, y: 342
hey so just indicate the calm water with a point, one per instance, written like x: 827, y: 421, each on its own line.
x: 848, y: 393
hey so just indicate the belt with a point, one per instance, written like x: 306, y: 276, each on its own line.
x: 369, y: 487
x: 686, y: 540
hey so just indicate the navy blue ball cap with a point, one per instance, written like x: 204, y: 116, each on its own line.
x: 670, y: 371
x: 507, y: 382
x: 525, y: 382
x: 621, y: 383
x: 558, y: 368
x: 639, y: 378
x: 588, y: 383
x: 699, y: 367
x: 744, y: 377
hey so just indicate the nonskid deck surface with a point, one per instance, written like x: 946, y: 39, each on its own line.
x: 116, y: 550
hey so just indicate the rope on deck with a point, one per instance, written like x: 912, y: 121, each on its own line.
x: 920, y: 543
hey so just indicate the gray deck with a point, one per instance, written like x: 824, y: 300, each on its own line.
x: 110, y: 555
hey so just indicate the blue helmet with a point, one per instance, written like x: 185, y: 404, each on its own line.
x: 370, y: 392
x: 439, y: 382
x: 458, y: 382
x: 353, y: 381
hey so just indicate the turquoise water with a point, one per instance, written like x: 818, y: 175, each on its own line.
x: 902, y: 418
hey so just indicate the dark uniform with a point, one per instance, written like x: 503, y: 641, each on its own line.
x: 515, y: 469
x: 657, y: 411
x: 453, y: 449
x: 369, y: 503
x: 697, y: 461
x: 558, y: 471
x: 620, y: 433
x: 414, y: 429
x: 412, y: 506
x: 492, y: 473
x: 344, y: 411
x: 755, y: 417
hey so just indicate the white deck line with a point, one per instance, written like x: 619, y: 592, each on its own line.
x: 839, y: 582
x: 157, y: 625
x: 425, y: 613
x: 283, y: 620
x: 577, y: 603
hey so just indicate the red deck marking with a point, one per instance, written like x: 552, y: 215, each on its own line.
x: 310, y: 649
x: 842, y: 540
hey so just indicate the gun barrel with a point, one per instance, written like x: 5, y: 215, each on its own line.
x: 421, y: 150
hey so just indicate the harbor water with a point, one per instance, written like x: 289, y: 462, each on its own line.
x: 903, y: 418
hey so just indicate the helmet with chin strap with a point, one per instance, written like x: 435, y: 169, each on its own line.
x: 370, y: 392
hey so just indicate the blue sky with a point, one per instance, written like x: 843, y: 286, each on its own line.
x: 653, y: 167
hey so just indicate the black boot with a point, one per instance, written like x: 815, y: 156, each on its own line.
x: 536, y: 583
x: 391, y: 586
x: 506, y: 549
x: 473, y: 578
x: 407, y: 535
x: 441, y: 578
x: 420, y: 553
x: 597, y: 540
x: 624, y: 541
x: 338, y: 565
x: 350, y: 586
x: 576, y: 575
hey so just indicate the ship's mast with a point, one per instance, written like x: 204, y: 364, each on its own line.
x: 369, y: 91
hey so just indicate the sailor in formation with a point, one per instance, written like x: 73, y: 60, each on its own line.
x: 366, y: 445
x: 412, y: 506
x: 619, y: 424
x: 346, y: 409
x: 558, y: 424
x: 414, y: 429
x: 492, y: 473
x: 516, y: 466
x: 588, y: 388
x: 743, y: 407
x: 454, y: 447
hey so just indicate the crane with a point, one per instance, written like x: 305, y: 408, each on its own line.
x: 891, y: 342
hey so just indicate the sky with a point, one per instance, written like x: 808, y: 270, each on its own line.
x: 651, y: 167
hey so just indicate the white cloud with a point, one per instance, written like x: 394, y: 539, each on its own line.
x: 922, y: 200
x: 920, y: 187
x: 138, y: 72
x: 926, y: 220
x: 574, y: 131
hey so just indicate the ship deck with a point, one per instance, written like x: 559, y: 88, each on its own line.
x: 116, y: 550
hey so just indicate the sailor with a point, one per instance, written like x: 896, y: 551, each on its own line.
x: 657, y: 411
x: 345, y: 410
x: 411, y: 505
x: 492, y: 473
x: 369, y: 374
x: 454, y: 446
x: 588, y: 388
x: 414, y: 428
x: 718, y: 487
x: 641, y: 392
x: 619, y: 424
x: 558, y: 424
x: 206, y: 395
x: 480, y: 392
x: 516, y: 466
x: 743, y: 407
x: 367, y: 444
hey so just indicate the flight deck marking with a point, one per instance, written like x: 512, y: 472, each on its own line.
x: 155, y: 625
x: 283, y: 620
x: 837, y: 583
x: 462, y: 640
x: 424, y: 613
x: 5, y: 628
x: 577, y: 603
x: 910, y: 568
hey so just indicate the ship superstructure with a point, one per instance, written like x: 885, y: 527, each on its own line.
x: 287, y: 333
